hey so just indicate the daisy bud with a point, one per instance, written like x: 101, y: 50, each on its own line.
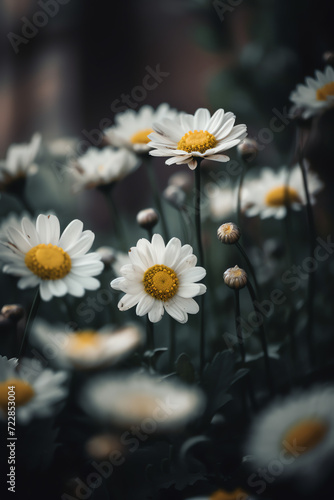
x: 182, y: 180
x: 108, y: 255
x: 235, y: 277
x: 13, y: 312
x: 175, y: 196
x: 328, y: 57
x: 228, y: 233
x: 147, y: 218
x: 248, y: 149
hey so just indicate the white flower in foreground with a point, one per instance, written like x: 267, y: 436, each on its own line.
x: 190, y: 138
x: 268, y: 195
x: 161, y: 278
x: 57, y: 264
x: 133, y: 127
x: 137, y: 398
x: 19, y: 161
x: 299, y: 432
x: 37, y: 390
x: 85, y: 349
x: 101, y: 166
x: 316, y: 95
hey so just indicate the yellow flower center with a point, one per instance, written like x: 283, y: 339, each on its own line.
x: 281, y: 195
x: 197, y: 141
x: 325, y: 91
x: 83, y: 341
x: 49, y: 262
x: 161, y: 282
x: 237, y: 494
x: 141, y: 136
x: 307, y: 433
x: 23, y: 393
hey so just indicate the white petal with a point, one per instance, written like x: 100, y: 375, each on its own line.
x: 82, y: 245
x: 172, y: 252
x: 28, y: 281
x: 74, y: 288
x: 18, y: 239
x: 129, y: 301
x: 71, y: 234
x: 173, y: 310
x: 58, y: 288
x: 29, y: 229
x: 192, y: 275
x: 159, y: 248
x: 45, y: 290
x: 189, y: 306
x: 188, y: 290
x: 157, y: 311
x: 144, y: 305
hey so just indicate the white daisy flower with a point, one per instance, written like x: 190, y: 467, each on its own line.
x: 221, y: 202
x: 189, y: 138
x: 268, y: 194
x: 316, y: 95
x: 161, y: 278
x: 37, y: 390
x: 85, y: 349
x: 133, y: 127
x: 101, y: 166
x: 140, y: 399
x: 298, y: 432
x: 19, y: 161
x: 57, y: 264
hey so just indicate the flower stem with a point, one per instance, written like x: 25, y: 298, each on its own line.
x: 311, y: 277
x: 172, y: 344
x: 119, y: 228
x: 156, y: 196
x: 30, y: 320
x: 249, y: 265
x: 149, y: 335
x: 238, y: 326
x: 263, y: 339
x: 197, y: 208
x: 241, y: 180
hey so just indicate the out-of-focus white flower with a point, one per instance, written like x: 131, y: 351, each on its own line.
x: 98, y: 167
x: 161, y: 278
x: 268, y: 195
x: 298, y: 431
x: 133, y: 127
x: 316, y: 95
x: 137, y: 398
x: 57, y: 264
x: 37, y: 391
x: 189, y: 138
x: 237, y: 494
x: 86, y: 349
x: 19, y: 161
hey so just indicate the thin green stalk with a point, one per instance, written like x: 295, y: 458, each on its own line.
x: 311, y: 276
x: 172, y: 345
x: 30, y: 321
x: 197, y: 207
x: 116, y: 219
x: 149, y: 335
x: 156, y: 196
x: 238, y: 326
x: 241, y: 179
x: 263, y: 339
x: 249, y: 265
